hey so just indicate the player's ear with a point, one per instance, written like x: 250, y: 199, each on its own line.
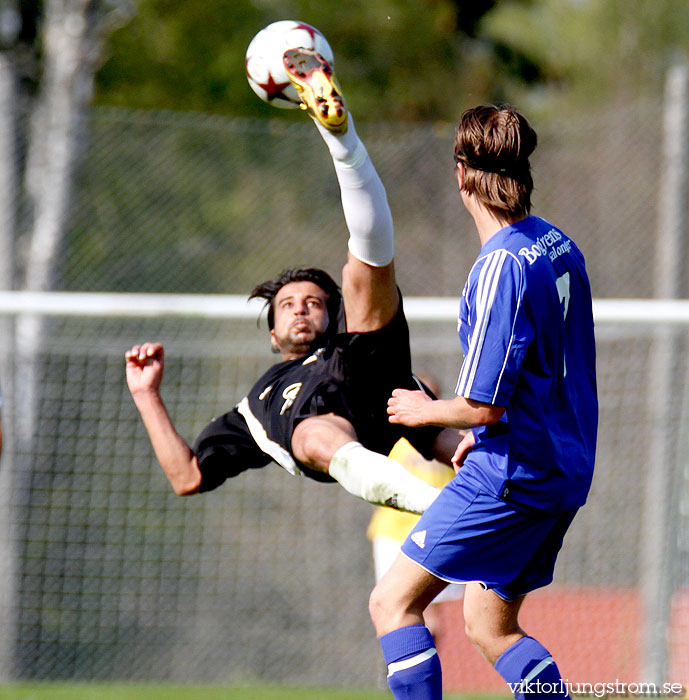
x: 460, y: 174
x: 273, y: 342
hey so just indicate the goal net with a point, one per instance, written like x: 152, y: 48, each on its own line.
x: 110, y: 576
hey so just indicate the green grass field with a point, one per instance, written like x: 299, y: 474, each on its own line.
x: 67, y: 691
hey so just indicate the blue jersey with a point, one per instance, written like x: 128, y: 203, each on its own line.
x: 526, y: 330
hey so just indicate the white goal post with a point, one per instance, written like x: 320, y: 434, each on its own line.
x: 124, y: 304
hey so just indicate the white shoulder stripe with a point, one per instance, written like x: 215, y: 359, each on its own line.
x: 489, y: 278
x: 258, y: 433
x: 411, y: 662
x: 488, y: 281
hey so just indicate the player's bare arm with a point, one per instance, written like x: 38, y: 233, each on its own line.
x: 416, y: 409
x: 144, y: 372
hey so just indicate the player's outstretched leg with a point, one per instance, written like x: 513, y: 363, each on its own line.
x: 364, y: 200
x: 320, y: 95
x: 327, y: 443
x: 380, y: 480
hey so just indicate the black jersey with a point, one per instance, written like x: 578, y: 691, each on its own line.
x: 352, y: 376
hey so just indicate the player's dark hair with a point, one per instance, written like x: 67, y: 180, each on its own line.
x: 494, y: 143
x: 269, y: 289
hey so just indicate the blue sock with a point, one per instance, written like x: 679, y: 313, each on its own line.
x: 529, y: 670
x: 413, y: 664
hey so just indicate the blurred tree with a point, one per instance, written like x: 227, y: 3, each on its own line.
x: 48, y: 57
x: 397, y: 59
x: 590, y: 50
x: 400, y: 59
x: 49, y: 53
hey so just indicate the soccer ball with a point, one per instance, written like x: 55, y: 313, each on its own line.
x: 265, y: 70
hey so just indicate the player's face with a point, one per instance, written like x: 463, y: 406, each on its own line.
x: 300, y: 316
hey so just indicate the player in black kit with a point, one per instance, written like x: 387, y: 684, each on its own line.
x: 322, y: 411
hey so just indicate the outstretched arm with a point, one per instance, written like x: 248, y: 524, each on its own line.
x: 144, y: 371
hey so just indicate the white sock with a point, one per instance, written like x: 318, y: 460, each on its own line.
x: 379, y: 479
x: 364, y: 201
x: 341, y: 146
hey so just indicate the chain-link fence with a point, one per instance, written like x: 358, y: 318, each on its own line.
x: 192, y: 203
x: 110, y: 576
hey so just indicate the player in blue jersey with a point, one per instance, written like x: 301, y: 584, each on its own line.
x: 527, y: 392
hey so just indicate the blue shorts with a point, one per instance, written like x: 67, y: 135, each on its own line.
x: 468, y: 534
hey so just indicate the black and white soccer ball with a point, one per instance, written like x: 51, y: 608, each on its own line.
x: 265, y: 70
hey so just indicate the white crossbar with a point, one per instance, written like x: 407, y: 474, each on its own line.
x: 624, y: 311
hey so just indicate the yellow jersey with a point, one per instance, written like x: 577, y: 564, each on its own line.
x: 395, y: 524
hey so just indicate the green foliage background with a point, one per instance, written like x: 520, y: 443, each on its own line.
x: 402, y: 59
x: 398, y: 59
